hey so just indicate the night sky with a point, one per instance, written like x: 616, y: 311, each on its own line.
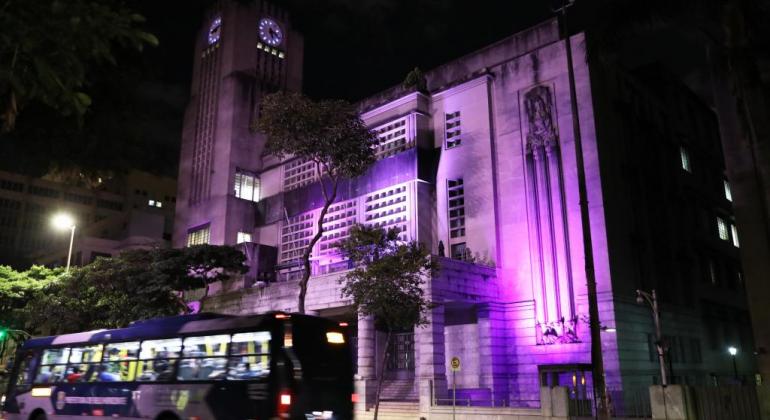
x: 353, y: 49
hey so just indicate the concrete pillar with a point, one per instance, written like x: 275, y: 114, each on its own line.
x: 673, y: 402
x: 431, y: 370
x: 493, y: 368
x: 366, y: 384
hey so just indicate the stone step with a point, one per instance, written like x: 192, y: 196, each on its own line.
x: 398, y: 390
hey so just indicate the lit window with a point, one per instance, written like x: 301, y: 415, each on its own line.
x: 151, y: 203
x: 728, y: 192
x: 734, y: 231
x: 456, y: 206
x: 246, y: 185
x: 684, y: 155
x: 452, y: 129
x: 243, y: 237
x: 158, y: 204
x: 724, y: 234
x: 199, y: 236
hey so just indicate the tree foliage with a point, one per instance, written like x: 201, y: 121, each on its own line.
x: 19, y: 288
x: 137, y: 284
x: 328, y: 133
x: 387, y: 282
x: 388, y: 276
x: 48, y: 47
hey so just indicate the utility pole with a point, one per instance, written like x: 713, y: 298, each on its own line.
x: 597, y: 360
x: 652, y: 300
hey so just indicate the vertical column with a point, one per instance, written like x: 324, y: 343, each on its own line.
x: 431, y: 370
x: 366, y: 385
x: 562, y: 275
x: 493, y: 366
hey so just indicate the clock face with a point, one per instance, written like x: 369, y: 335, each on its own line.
x: 214, y: 30
x: 270, y: 32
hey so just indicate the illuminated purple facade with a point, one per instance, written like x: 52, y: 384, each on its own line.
x: 480, y: 167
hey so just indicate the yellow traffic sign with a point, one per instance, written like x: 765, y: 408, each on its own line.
x: 455, y: 364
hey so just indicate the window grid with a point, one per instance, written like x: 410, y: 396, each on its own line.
x: 452, y: 129
x: 246, y: 185
x: 199, y: 236
x: 724, y: 234
x: 456, y: 206
x: 295, y: 236
x: 734, y: 232
x: 387, y: 209
x: 393, y: 138
x: 298, y: 173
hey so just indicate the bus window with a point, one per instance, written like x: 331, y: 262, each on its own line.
x: 158, y: 359
x: 120, y: 360
x: 53, y: 366
x: 249, y: 356
x: 24, y: 377
x: 84, y: 363
x: 204, y: 358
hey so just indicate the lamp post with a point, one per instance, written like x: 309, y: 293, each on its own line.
x: 733, y: 352
x: 63, y: 221
x: 652, y: 300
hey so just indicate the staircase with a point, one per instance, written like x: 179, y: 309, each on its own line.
x: 393, y: 410
x: 399, y: 390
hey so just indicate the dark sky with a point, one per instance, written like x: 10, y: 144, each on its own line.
x: 355, y: 48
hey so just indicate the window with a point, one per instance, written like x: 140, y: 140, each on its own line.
x: 728, y: 191
x: 724, y: 234
x: 684, y: 155
x: 24, y: 378
x: 459, y: 251
x: 734, y: 232
x: 11, y: 186
x: 111, y: 205
x: 456, y: 205
x: 243, y: 237
x: 83, y: 364
x: 249, y: 356
x: 120, y: 362
x: 204, y: 358
x: 155, y: 203
x: 53, y: 366
x: 43, y: 191
x: 452, y: 129
x: 199, y: 236
x: 158, y: 359
x: 246, y: 185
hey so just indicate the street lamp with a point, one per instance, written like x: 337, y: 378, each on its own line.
x: 63, y: 221
x: 652, y: 300
x: 734, y: 351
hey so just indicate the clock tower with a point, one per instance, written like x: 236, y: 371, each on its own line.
x: 243, y: 52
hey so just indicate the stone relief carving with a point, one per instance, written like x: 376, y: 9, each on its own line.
x: 538, y: 104
x: 558, y: 332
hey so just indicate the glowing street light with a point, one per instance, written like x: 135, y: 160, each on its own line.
x: 733, y: 352
x: 64, y: 221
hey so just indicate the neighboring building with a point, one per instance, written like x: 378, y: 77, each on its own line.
x: 481, y: 165
x: 133, y: 209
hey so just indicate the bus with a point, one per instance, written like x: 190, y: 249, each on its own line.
x: 198, y: 367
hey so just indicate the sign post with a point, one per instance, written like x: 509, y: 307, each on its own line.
x: 455, y: 365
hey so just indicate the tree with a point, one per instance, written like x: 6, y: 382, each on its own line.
x: 136, y: 285
x: 48, y: 48
x: 328, y: 133
x: 18, y: 288
x: 386, y: 282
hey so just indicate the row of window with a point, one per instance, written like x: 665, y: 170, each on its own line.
x: 234, y: 357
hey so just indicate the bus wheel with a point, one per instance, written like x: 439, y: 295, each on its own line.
x: 38, y: 415
x: 166, y: 416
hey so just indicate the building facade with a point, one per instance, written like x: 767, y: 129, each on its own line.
x: 480, y: 167
x: 135, y: 209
